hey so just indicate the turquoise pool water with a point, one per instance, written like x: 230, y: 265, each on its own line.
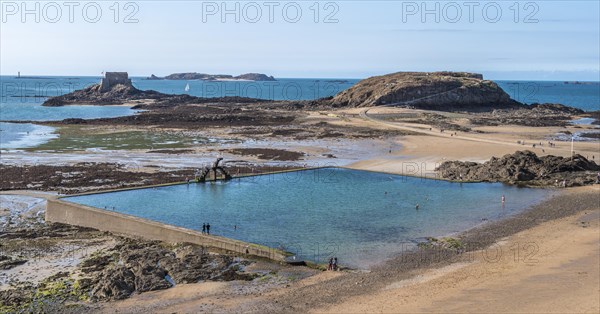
x: 325, y: 212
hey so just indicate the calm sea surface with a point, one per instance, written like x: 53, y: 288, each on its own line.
x: 360, y: 217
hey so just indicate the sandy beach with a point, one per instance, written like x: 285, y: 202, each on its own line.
x: 548, y: 267
x: 520, y: 264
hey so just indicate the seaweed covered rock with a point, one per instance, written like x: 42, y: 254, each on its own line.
x: 523, y: 166
x: 114, y: 284
x: 136, y: 266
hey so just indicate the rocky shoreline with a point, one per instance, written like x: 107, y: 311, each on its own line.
x: 525, y: 168
x: 89, y: 177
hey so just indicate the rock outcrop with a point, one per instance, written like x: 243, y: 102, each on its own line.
x: 154, y: 78
x: 99, y: 94
x: 435, y: 90
x: 536, y: 115
x: 255, y: 77
x: 141, y: 266
x: 524, y: 167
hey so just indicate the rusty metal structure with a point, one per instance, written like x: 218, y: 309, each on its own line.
x: 212, y: 173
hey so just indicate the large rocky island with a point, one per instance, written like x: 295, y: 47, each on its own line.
x: 427, y: 90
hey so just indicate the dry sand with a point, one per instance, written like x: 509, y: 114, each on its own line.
x: 556, y: 269
x: 421, y: 154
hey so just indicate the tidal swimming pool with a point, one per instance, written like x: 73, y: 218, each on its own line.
x: 361, y: 217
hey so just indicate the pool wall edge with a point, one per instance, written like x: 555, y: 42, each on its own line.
x: 248, y: 175
x: 60, y: 211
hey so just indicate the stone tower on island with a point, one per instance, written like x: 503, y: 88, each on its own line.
x: 113, y: 78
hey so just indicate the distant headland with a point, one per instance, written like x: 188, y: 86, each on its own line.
x: 214, y: 77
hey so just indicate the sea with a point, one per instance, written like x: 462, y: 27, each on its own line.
x: 21, y: 98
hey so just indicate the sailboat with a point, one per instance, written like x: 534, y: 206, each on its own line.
x: 187, y: 87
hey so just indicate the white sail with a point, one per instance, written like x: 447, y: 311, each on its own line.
x: 187, y: 87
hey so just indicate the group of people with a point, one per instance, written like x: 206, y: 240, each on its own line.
x: 333, y: 263
x: 206, y: 228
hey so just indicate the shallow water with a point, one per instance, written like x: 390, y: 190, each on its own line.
x: 583, y: 121
x: 325, y: 212
x: 24, y: 135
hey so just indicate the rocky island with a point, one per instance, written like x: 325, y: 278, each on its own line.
x: 427, y: 90
x: 116, y: 89
x: 214, y: 77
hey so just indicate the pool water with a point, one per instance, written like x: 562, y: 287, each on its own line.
x: 360, y: 217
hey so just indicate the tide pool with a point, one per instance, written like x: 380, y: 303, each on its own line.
x: 360, y: 217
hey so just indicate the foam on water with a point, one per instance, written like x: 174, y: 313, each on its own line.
x: 24, y: 135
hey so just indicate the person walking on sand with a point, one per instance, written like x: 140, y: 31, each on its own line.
x: 335, y: 263
x: 208, y: 228
x: 330, y: 266
x: 203, y: 228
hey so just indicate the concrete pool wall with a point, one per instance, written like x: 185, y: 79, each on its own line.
x: 85, y: 216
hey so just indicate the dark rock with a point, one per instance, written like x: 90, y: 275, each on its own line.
x: 74, y: 121
x: 523, y: 166
x: 149, y: 278
x: 15, y: 297
x: 154, y: 77
x: 114, y: 284
x: 557, y: 108
x: 6, y: 262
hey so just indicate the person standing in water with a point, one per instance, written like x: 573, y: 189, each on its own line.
x: 503, y: 199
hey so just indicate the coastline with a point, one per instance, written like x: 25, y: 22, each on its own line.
x: 554, y: 245
x: 406, y: 281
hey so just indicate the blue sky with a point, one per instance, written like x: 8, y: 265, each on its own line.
x: 546, y: 40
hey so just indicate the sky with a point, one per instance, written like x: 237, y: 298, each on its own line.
x: 529, y: 40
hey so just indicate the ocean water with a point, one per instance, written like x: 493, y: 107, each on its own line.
x: 21, y: 99
x: 585, y: 95
x: 360, y: 217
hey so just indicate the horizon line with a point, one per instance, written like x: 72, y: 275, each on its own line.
x: 328, y: 77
